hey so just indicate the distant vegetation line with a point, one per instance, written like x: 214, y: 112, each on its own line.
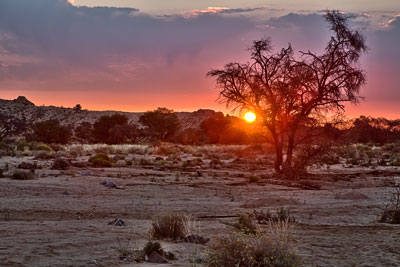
x: 21, y: 119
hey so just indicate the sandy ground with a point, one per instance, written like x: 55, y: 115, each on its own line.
x: 61, y: 217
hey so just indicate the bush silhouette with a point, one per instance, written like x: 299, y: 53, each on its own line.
x: 161, y: 124
x: 50, y: 132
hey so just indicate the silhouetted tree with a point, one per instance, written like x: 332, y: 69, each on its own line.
x: 50, y: 132
x: 160, y: 124
x: 10, y: 126
x: 220, y: 129
x: 112, y: 129
x: 84, y: 131
x: 288, y: 91
x: 78, y: 107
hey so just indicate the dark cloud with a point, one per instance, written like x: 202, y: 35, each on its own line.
x: 52, y: 45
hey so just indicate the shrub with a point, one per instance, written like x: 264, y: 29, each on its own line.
x: 22, y: 145
x: 272, y: 248
x: 27, y: 165
x: 44, y: 155
x: 170, y: 226
x: 245, y: 224
x: 128, y: 162
x: 23, y: 175
x: 101, y: 160
x: 391, y: 211
x: 156, y: 247
x: 281, y: 215
x: 153, y: 247
x: 51, y: 132
x: 254, y: 179
x: 1, y: 173
x: 43, y: 147
x: 395, y: 162
x: 60, y: 164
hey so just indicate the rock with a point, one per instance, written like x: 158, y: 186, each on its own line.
x: 65, y: 193
x: 23, y: 101
x: 109, y: 183
x: 85, y: 173
x: 117, y: 222
x: 156, y: 258
x: 197, y: 239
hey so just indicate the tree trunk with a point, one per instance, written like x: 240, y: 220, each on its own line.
x: 279, y: 154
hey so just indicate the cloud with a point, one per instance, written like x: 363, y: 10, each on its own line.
x: 51, y: 45
x: 218, y: 10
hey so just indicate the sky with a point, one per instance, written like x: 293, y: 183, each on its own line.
x: 137, y: 55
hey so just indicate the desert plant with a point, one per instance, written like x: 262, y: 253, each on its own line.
x: 153, y: 247
x: 273, y: 248
x: 100, y: 160
x: 44, y: 155
x: 281, y: 215
x: 43, y: 147
x: 27, y: 165
x: 391, y: 210
x: 160, y: 124
x: 169, y: 226
x: 60, y: 164
x: 245, y: 224
x: 254, y: 179
x: 23, y: 175
x: 51, y: 132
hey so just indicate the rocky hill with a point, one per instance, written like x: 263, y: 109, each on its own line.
x: 22, y: 108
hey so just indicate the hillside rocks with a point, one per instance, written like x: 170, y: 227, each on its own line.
x: 24, y: 109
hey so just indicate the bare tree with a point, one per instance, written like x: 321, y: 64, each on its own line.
x: 288, y: 92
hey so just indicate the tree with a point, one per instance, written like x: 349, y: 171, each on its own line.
x: 112, y: 129
x: 78, y: 107
x: 160, y: 124
x: 10, y: 126
x: 288, y: 91
x: 51, y: 132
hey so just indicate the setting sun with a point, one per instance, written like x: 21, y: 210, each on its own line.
x: 250, y: 117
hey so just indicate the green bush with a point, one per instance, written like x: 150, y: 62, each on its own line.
x: 169, y: 226
x: 43, y: 147
x: 101, y: 160
x: 395, y: 162
x: 271, y: 249
x: 22, y: 145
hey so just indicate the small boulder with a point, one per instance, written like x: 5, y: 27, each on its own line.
x: 156, y: 258
x: 109, y: 183
x: 117, y: 222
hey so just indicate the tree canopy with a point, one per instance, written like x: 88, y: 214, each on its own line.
x: 288, y: 90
